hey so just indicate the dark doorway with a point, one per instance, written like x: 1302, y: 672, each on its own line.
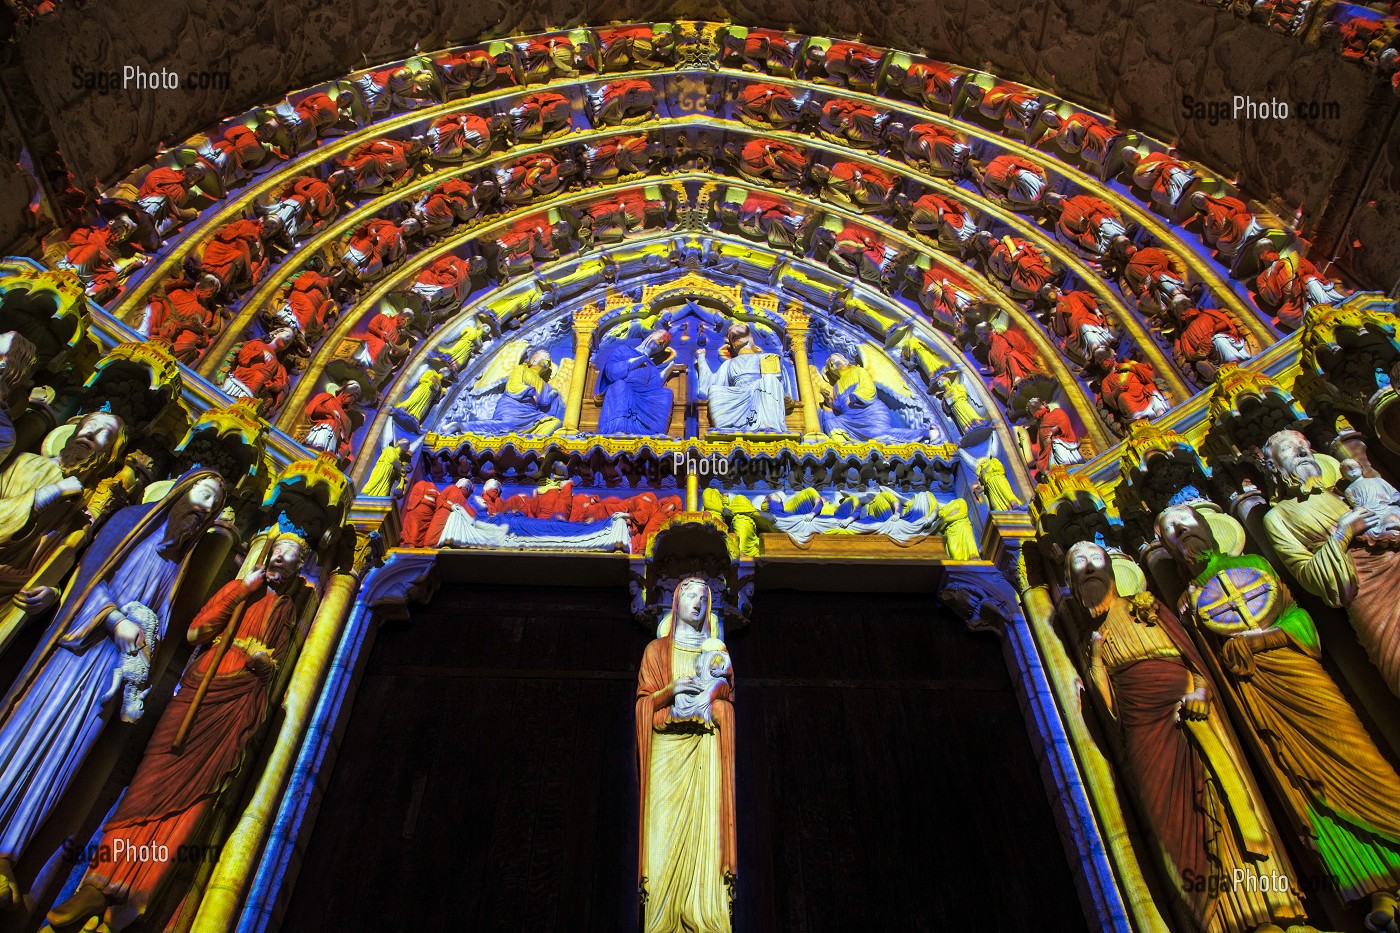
x: 885, y: 778
x: 486, y: 779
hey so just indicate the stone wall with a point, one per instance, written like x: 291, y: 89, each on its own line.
x: 1134, y: 58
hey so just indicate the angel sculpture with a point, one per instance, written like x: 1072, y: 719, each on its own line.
x: 991, y: 476
x: 523, y: 392
x: 869, y: 401
x: 959, y: 404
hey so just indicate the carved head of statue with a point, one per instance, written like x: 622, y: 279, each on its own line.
x: 1187, y: 536
x: 207, y: 288
x: 1037, y: 408
x: 192, y: 514
x: 284, y: 561
x: 18, y: 356
x: 739, y: 337
x: 121, y: 228
x: 1290, y: 457
x: 540, y: 362
x: 691, y: 603
x: 836, y: 364
x: 349, y: 393
x: 1089, y: 570
x: 656, y: 343
x: 97, y: 442
x: 1351, y: 470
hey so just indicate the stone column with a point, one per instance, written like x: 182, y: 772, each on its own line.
x: 797, y: 321
x: 585, y: 322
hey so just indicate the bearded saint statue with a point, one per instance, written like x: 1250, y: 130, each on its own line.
x: 1348, y: 556
x: 1341, y: 793
x: 1182, y: 763
x: 96, y: 657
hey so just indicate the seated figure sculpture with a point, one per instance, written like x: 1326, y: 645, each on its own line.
x: 528, y: 404
x: 852, y: 409
x: 632, y: 386
x: 747, y: 393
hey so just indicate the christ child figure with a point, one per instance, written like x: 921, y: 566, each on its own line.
x: 1376, y: 495
x: 711, y: 670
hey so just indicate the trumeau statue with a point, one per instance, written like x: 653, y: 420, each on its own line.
x: 1350, y: 556
x: 1342, y: 793
x: 186, y: 768
x: 113, y: 615
x: 688, y: 852
x: 1176, y: 753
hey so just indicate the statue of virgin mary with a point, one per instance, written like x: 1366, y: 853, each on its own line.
x: 686, y: 762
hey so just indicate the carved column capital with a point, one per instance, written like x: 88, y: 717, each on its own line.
x: 406, y: 577
x: 981, y: 595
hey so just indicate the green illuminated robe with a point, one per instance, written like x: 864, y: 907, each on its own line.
x: 1333, y: 778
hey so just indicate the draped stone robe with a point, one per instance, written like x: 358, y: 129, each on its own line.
x: 687, y: 790
x: 745, y: 394
x: 172, y: 793
x: 1364, y: 579
x: 68, y: 691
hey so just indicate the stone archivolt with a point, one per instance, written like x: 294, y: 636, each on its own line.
x: 836, y: 302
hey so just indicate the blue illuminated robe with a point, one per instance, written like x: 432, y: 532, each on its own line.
x: 526, y: 402
x: 71, y: 686
x: 635, y: 397
x: 858, y: 412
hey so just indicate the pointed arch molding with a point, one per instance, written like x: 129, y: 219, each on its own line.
x: 681, y: 127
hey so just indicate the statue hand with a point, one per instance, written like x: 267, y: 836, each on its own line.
x: 260, y: 663
x: 129, y: 637
x: 1353, y: 523
x: 1238, y: 655
x: 1195, y: 706
x: 255, y: 579
x: 1095, y: 642
x: 36, y: 599
x: 684, y: 685
x: 1385, y: 532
